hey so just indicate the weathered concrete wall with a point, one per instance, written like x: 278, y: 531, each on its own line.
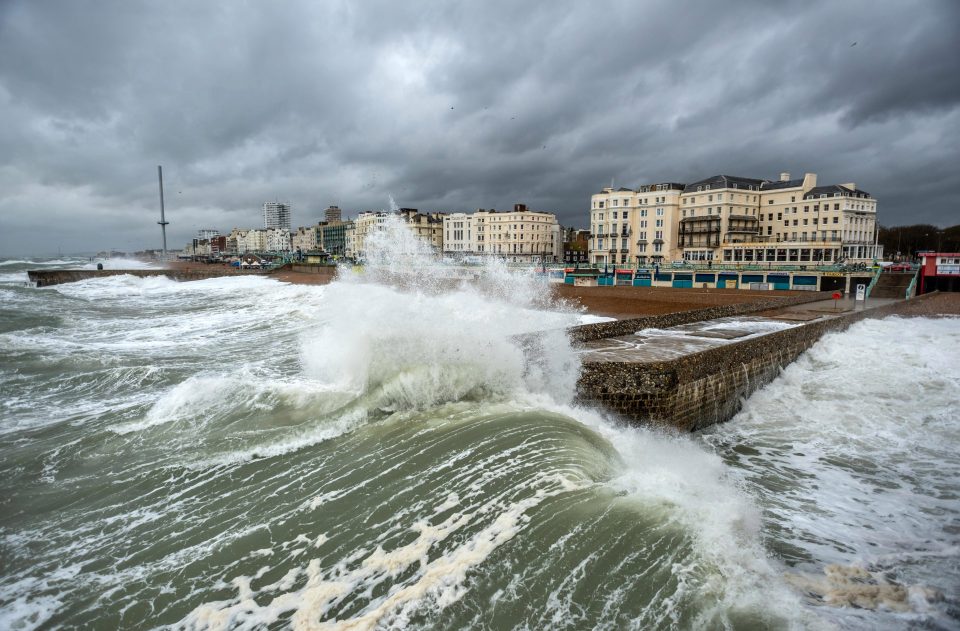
x: 704, y: 388
x: 587, y: 332
x: 45, y: 278
x: 322, y: 270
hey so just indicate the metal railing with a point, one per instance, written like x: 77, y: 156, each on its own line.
x: 912, y: 285
x: 873, y: 281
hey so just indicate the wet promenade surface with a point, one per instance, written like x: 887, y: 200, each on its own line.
x: 651, y: 345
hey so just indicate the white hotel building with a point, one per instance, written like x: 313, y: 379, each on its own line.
x: 520, y: 235
x: 734, y: 220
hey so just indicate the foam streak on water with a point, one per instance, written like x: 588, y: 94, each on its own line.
x: 391, y: 450
x: 853, y: 456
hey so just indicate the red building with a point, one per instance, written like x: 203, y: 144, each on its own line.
x: 939, y: 271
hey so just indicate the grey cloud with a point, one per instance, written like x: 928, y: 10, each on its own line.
x: 456, y: 106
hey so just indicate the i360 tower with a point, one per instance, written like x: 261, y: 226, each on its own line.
x: 163, y: 220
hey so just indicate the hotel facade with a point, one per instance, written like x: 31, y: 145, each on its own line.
x: 521, y: 235
x: 729, y: 219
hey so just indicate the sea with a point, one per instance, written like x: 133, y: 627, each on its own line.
x: 389, y: 452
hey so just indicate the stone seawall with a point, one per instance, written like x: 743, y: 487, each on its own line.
x: 698, y: 390
x: 322, y: 270
x: 46, y: 278
x: 588, y: 332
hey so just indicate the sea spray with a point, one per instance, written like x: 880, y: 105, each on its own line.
x: 238, y: 451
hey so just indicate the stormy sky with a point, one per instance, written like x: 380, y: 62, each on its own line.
x: 454, y: 106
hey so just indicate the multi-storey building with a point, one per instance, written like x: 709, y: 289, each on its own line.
x: 332, y: 237
x: 241, y: 241
x: 207, y: 233
x: 304, y: 239
x: 716, y: 211
x: 576, y: 246
x: 521, y: 235
x: 428, y: 227
x: 332, y: 214
x: 735, y: 219
x: 635, y: 226
x: 459, y: 234
x: 800, y: 222
x: 277, y: 239
x: 276, y: 215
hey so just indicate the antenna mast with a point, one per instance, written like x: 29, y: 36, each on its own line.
x: 163, y: 220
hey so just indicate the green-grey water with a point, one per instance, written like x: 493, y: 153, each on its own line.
x: 241, y: 453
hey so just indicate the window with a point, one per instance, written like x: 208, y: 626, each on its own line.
x: 769, y: 201
x: 614, y: 214
x: 836, y: 206
x: 779, y: 216
x: 659, y: 223
x: 836, y: 220
x: 625, y: 214
x: 792, y: 199
x: 601, y: 206
x: 659, y: 212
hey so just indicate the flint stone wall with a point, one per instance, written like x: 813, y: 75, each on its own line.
x: 698, y: 390
x: 588, y: 332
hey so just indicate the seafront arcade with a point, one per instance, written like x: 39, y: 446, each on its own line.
x: 757, y: 277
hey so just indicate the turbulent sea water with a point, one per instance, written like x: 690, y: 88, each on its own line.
x: 240, y: 453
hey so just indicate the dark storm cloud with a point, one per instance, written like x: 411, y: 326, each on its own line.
x: 453, y: 107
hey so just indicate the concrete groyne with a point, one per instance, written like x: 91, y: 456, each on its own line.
x: 46, y: 278
x: 699, y: 389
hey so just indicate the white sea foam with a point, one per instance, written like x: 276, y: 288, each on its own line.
x: 420, y: 345
x: 852, y: 452
x: 17, y: 278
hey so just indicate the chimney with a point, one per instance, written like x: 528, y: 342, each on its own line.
x: 809, y: 181
x: 519, y: 208
x: 784, y: 177
x: 850, y: 185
